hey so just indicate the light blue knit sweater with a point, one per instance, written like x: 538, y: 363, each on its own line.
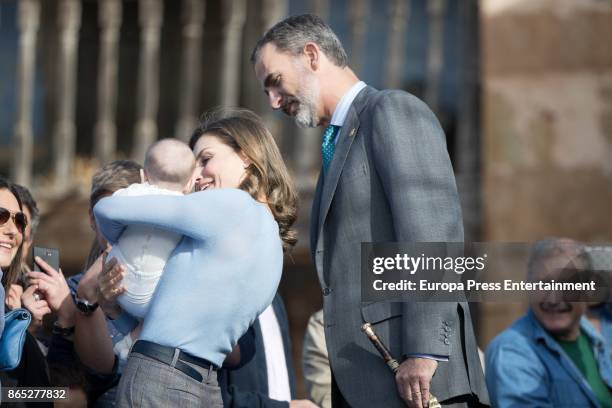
x: 221, y: 276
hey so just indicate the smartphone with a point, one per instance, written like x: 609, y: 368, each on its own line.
x: 49, y: 255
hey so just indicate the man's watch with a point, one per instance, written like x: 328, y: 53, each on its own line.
x: 84, y: 306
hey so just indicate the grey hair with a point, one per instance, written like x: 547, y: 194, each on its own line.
x: 292, y: 34
x: 553, y: 247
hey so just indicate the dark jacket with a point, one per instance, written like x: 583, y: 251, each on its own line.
x: 248, y: 385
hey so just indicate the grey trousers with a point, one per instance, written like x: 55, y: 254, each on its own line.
x: 146, y: 382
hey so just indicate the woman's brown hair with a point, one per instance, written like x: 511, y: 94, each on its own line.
x: 11, y: 275
x: 266, y: 175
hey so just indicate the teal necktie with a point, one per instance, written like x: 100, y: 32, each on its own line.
x: 328, y: 146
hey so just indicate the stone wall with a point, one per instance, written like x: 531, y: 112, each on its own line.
x: 547, y: 126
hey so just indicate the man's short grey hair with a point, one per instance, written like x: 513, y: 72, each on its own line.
x: 554, y: 247
x: 292, y: 34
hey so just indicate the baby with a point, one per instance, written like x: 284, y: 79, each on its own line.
x: 144, y: 250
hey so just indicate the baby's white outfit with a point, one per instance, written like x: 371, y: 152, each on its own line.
x: 143, y: 251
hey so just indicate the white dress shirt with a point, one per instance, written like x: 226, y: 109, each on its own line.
x: 276, y: 365
x: 341, y: 111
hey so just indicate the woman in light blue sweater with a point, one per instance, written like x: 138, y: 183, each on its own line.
x: 223, y: 273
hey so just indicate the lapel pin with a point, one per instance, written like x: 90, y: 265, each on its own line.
x: 353, y: 131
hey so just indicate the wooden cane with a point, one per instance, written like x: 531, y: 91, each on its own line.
x: 392, y: 363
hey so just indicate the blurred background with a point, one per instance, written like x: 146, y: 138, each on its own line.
x: 523, y: 89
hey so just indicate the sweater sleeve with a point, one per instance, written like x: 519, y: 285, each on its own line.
x: 200, y: 215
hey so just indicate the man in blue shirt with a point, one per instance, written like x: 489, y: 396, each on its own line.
x: 551, y: 357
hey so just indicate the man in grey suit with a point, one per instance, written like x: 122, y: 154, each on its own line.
x: 386, y: 177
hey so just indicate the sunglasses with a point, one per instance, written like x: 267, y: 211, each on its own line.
x: 19, y: 218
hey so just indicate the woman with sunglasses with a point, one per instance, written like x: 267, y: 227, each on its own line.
x: 31, y: 371
x: 10, y: 238
x: 10, y: 243
x: 12, y: 225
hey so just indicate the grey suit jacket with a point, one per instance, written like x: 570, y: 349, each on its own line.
x: 390, y: 180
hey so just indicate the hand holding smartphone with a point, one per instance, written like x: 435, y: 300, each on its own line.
x: 49, y: 255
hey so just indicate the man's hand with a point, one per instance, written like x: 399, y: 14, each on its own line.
x: 412, y: 378
x: 88, y: 285
x: 110, y: 287
x: 301, y: 404
x: 110, y: 279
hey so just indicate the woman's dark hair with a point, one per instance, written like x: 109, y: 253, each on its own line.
x: 267, y: 175
x: 11, y: 275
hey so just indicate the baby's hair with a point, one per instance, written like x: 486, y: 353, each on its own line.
x: 169, y: 163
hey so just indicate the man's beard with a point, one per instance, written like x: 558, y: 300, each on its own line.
x: 306, y: 100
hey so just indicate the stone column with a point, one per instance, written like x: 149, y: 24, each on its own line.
x: 307, y: 151
x: 358, y: 11
x: 28, y: 20
x: 435, y: 51
x: 64, y: 130
x: 467, y: 151
x: 272, y: 12
x: 150, y: 19
x: 398, y: 17
x: 193, y: 27
x: 234, y: 15
x: 105, y: 131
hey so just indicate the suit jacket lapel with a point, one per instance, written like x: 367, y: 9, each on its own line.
x: 345, y: 139
x: 314, y: 216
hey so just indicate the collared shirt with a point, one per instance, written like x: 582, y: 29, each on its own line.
x: 525, y: 366
x: 276, y: 365
x: 341, y: 111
